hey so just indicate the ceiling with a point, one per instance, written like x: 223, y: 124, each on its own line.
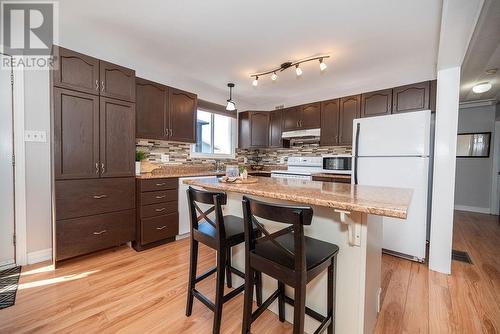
x: 202, y: 45
x: 483, y: 54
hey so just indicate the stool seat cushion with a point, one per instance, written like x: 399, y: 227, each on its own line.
x: 233, y: 225
x: 317, y: 251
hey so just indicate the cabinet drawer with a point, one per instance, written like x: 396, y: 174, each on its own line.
x: 78, y: 198
x: 158, y: 196
x: 159, y: 209
x: 158, y: 228
x: 159, y: 184
x: 87, y: 234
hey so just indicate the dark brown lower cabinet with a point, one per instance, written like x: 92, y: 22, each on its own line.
x: 157, y: 220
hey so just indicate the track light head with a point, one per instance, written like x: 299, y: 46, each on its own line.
x: 298, y: 70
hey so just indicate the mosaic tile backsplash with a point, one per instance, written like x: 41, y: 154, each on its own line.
x: 181, y: 153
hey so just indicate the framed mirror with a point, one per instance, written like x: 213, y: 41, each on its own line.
x: 473, y: 145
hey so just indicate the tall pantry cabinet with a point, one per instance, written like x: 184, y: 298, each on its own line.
x: 93, y: 154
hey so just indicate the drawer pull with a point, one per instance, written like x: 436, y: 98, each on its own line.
x: 100, y: 196
x: 160, y: 184
x: 100, y: 232
x: 160, y: 197
x: 160, y: 210
x: 161, y: 227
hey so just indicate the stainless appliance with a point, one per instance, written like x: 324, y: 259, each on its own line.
x: 300, y: 137
x: 338, y: 164
x: 300, y: 168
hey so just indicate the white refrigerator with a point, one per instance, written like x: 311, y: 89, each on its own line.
x: 395, y: 151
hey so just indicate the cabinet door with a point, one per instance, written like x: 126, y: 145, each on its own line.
x: 377, y: 103
x: 117, y: 81
x: 182, y: 114
x: 275, y: 124
x: 117, y: 129
x: 76, y: 71
x: 76, y: 135
x: 259, y: 129
x: 151, y: 110
x: 349, y: 110
x: 411, y: 97
x: 291, y: 118
x: 330, y: 122
x: 310, y: 116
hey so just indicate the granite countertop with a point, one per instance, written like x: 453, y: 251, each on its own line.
x: 381, y: 201
x: 176, y: 174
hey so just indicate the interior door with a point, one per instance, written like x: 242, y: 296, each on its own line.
x: 183, y: 107
x: 7, y: 250
x: 117, y: 138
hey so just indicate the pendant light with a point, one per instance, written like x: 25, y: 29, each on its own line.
x: 230, y: 103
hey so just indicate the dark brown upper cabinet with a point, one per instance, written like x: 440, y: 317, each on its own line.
x: 412, y: 97
x: 310, y: 116
x: 76, y: 135
x: 350, y: 109
x: 182, y: 115
x: 377, y: 103
x: 291, y: 118
x: 117, y: 82
x: 330, y: 117
x: 117, y: 138
x: 275, y: 126
x: 253, y: 129
x: 76, y: 71
x: 152, y: 110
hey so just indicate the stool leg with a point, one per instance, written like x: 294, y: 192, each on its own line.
x: 258, y: 287
x: 331, y: 294
x: 193, y: 261
x: 219, y: 289
x: 247, y: 301
x: 281, y: 301
x: 229, y: 280
x: 299, y: 308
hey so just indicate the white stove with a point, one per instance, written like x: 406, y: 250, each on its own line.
x: 300, y: 168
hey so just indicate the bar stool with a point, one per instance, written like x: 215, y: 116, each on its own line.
x: 291, y: 258
x: 221, y: 234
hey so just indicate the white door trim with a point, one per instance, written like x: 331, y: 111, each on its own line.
x: 495, y: 200
x: 20, y: 167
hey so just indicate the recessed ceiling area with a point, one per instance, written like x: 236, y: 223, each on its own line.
x: 200, y: 46
x: 482, y: 55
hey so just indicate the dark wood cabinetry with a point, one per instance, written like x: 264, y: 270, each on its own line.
x: 254, y: 129
x: 275, y: 125
x: 310, y: 116
x: 330, y: 117
x: 157, y: 218
x: 291, y: 118
x: 349, y: 110
x: 117, y: 82
x: 151, y: 110
x: 412, y: 97
x: 377, y: 103
x: 182, y: 114
x: 76, y: 71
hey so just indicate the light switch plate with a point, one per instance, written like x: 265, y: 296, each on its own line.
x: 164, y: 158
x: 35, y: 136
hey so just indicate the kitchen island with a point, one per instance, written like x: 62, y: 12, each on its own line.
x: 349, y: 216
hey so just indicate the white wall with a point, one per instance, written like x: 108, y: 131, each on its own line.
x: 38, y: 195
x: 474, y: 175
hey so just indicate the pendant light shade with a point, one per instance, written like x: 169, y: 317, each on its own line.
x: 230, y: 106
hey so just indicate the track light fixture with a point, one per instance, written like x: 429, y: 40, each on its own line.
x: 284, y: 66
x: 231, y: 106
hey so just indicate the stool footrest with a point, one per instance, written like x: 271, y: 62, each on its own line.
x: 265, y: 305
x: 208, y: 303
x: 205, y: 274
x: 313, y: 314
x: 234, y: 293
x: 237, y: 272
x: 324, y: 324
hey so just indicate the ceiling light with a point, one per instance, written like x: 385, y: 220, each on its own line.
x: 274, y: 76
x: 298, y: 70
x: 230, y: 103
x: 255, y: 82
x: 322, y: 65
x: 481, y: 88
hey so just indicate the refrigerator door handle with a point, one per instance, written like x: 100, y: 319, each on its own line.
x: 356, y: 150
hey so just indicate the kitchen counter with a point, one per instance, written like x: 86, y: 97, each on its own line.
x: 177, y: 174
x: 332, y: 175
x: 380, y: 201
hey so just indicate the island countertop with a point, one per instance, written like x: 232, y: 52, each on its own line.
x: 380, y: 201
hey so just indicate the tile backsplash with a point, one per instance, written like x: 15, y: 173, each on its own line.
x: 181, y: 153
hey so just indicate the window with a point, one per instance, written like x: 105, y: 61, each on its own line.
x: 215, y: 135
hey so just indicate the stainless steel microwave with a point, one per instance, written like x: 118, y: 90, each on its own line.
x: 337, y: 163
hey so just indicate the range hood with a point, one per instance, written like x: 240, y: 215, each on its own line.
x: 299, y: 137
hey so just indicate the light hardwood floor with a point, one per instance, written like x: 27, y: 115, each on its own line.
x: 128, y: 292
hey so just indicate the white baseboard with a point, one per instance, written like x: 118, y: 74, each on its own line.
x: 40, y: 256
x: 472, y: 209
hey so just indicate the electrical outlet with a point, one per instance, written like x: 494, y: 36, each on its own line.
x: 164, y: 158
x: 35, y: 136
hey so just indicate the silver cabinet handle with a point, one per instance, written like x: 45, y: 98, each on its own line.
x: 100, y: 232
x: 160, y: 184
x: 102, y: 167
x: 97, y: 168
x: 96, y: 85
x: 161, y: 227
x: 160, y: 210
x: 100, y: 196
x: 102, y: 86
x: 160, y: 197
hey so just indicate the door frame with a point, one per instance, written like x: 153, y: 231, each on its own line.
x: 495, y: 169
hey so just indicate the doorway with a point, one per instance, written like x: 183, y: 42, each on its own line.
x: 7, y: 217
